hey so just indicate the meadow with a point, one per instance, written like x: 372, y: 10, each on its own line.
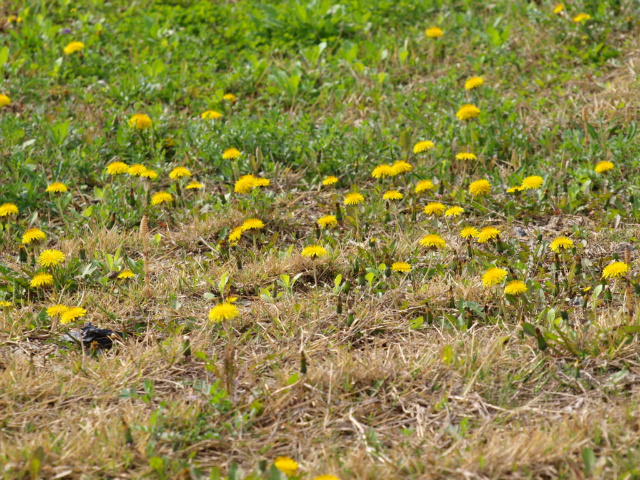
x: 319, y: 240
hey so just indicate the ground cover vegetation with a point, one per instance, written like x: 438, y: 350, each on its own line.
x: 319, y: 239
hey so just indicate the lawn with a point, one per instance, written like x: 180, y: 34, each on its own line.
x: 319, y: 240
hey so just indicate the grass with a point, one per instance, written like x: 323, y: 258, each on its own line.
x: 341, y: 363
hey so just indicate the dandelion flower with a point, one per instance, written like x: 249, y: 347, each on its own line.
x: 326, y: 477
x: 33, y: 235
x: 487, y: 234
x: 148, y: 173
x: 401, y: 167
x: 434, y: 32
x: 55, y: 310
x: 327, y: 221
x: 515, y: 189
x: 179, y: 172
x: 469, y: 232
x: 467, y: 112
x: 51, y: 258
x: 161, y: 197
x: 223, y: 311
x: 480, y: 188
x: 423, y: 146
x: 558, y: 8
x: 383, y: 171
x: 73, y: 47
x: 231, y: 154
x: 401, y: 267
x: 532, y: 182
x: 57, y: 187
x: 473, y: 82
x: 353, y: 198
x: 140, y: 121
x: 466, y: 156
x: 4, y: 101
x: 582, y: 17
x: 7, y: 209
x: 454, y: 211
x: 615, y: 269
x: 493, y: 276
x: 125, y: 274
x: 252, y: 224
x: 424, y: 185
x: 330, y: 180
x: 433, y: 241
x: 136, y: 170
x: 604, y: 166
x: 245, y: 184
x: 561, y: 243
x: 392, y: 195
x: 117, y: 168
x: 194, y: 186
x: 314, y: 251
x: 515, y: 287
x: 230, y: 97
x: 41, y: 280
x: 262, y: 182
x: 211, y: 115
x: 72, y: 314
x: 286, y: 465
x: 5, y: 304
x: 235, y: 235
x: 434, y: 208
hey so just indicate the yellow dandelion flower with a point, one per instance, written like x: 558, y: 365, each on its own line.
x: 392, y: 195
x: 262, y: 182
x: 140, y: 121
x: 136, y: 170
x: 236, y: 235
x: 433, y: 241
x: 57, y: 187
x: 72, y: 314
x: 5, y: 304
x: 531, y: 183
x: 286, y: 465
x: 179, y: 172
x: 469, y: 232
x: 252, y: 224
x: 330, y: 180
x: 51, y: 258
x: 223, y: 311
x: 466, y: 156
x: 41, y: 280
x: 161, y: 197
x: 245, y: 184
x: 125, y: 274
x: 582, y: 17
x: 473, y: 82
x: 401, y: 167
x: 230, y: 97
x: 353, y: 198
x: 211, y: 115
x: 401, y: 267
x: 148, y: 173
x: 117, y: 168
x: 314, y: 251
x: 487, y: 234
x: 561, y: 243
x: 515, y: 287
x: 454, y: 211
x: 434, y: 208
x: 423, y: 146
x: 194, y: 186
x: 604, y: 166
x: 326, y: 477
x: 424, y: 185
x: 467, y: 112
x: 434, y: 32
x: 327, y: 221
x: 73, y: 47
x: 7, y: 209
x: 558, y: 8
x: 480, y: 187
x: 33, y: 235
x: 55, y: 310
x: 231, y: 154
x: 5, y: 101
x: 383, y: 171
x: 493, y: 276
x: 515, y: 189
x: 615, y: 269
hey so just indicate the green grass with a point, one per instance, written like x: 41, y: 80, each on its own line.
x: 341, y: 363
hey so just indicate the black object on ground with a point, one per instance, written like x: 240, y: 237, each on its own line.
x: 93, y: 337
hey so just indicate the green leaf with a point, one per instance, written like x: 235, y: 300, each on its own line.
x: 589, y: 459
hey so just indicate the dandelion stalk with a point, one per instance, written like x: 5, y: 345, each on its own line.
x: 144, y: 234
